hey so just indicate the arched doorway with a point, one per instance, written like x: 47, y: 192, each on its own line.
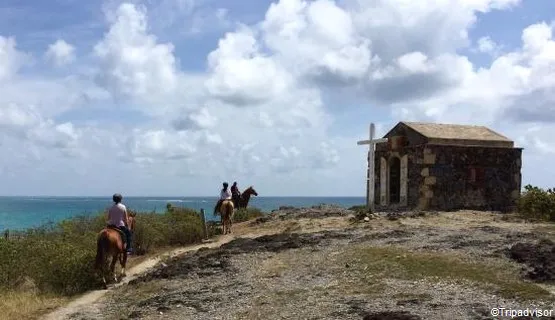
x: 394, y: 180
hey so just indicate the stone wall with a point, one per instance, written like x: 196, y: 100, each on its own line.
x: 474, y: 178
x: 446, y: 177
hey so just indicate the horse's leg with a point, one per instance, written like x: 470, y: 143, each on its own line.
x: 227, y: 224
x: 231, y: 215
x: 227, y: 221
x: 123, y: 262
x: 222, y: 214
x: 100, y: 261
x: 103, y: 269
x: 113, y: 266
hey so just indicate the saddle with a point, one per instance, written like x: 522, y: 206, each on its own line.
x: 219, y: 204
x: 120, y: 232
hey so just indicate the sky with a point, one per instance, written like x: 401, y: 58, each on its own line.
x: 173, y: 97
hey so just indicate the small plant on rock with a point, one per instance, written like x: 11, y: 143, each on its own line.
x: 361, y: 212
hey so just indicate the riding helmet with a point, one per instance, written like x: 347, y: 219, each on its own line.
x: 117, y: 197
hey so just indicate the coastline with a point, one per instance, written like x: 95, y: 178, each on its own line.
x: 21, y: 213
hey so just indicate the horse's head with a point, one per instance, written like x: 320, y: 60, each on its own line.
x: 131, y: 220
x: 250, y: 190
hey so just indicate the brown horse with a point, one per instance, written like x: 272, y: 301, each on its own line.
x: 110, y: 242
x: 243, y: 201
x: 226, y: 213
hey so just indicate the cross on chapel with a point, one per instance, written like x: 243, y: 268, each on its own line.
x: 370, y: 185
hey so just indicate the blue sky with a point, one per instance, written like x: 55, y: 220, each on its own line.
x: 172, y: 97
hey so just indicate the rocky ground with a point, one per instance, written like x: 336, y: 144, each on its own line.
x: 321, y: 263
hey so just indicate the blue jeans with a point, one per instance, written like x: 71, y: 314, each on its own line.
x: 128, y: 235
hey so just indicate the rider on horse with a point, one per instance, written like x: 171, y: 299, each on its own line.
x: 118, y: 219
x: 235, y: 194
x: 225, y: 194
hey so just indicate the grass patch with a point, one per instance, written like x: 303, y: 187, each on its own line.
x: 412, y: 296
x: 291, y: 294
x: 281, y: 297
x: 292, y: 226
x: 394, y: 262
x: 27, y: 305
x: 273, y: 267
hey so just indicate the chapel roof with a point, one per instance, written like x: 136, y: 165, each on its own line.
x: 457, y: 134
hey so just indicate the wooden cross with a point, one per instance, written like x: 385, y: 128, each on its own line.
x: 370, y: 180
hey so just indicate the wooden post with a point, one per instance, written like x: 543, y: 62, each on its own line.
x: 204, y: 230
x: 370, y: 181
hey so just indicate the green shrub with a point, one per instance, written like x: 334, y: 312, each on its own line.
x: 53, y: 263
x: 59, y: 258
x: 537, y: 204
x: 246, y: 214
x: 178, y: 226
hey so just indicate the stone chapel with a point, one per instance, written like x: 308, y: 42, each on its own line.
x: 429, y: 166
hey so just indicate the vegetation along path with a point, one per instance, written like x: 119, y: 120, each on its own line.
x: 88, y: 300
x: 323, y: 263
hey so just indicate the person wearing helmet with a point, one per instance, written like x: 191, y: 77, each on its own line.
x: 118, y: 217
x: 225, y: 194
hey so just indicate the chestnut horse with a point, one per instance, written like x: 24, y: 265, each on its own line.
x: 243, y: 201
x: 226, y: 212
x: 110, y: 242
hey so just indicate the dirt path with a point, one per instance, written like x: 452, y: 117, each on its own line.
x: 91, y: 302
x: 318, y: 263
x: 315, y: 265
x: 87, y: 300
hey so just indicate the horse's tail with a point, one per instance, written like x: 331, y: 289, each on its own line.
x: 101, y: 245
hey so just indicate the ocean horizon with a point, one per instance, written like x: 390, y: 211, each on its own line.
x: 23, y: 212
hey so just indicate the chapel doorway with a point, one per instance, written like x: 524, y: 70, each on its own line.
x: 394, y: 180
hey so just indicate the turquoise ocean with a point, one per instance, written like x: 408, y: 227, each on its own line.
x: 17, y: 213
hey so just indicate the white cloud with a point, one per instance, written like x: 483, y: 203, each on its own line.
x: 159, y: 144
x: 60, y: 53
x: 486, y: 45
x: 133, y: 64
x: 264, y: 109
x: 17, y: 120
x: 517, y: 84
x: 241, y: 74
x: 317, y: 38
x: 201, y: 119
x: 10, y: 58
x: 26, y: 124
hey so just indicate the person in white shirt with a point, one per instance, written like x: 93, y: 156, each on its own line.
x: 225, y: 194
x: 118, y: 218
